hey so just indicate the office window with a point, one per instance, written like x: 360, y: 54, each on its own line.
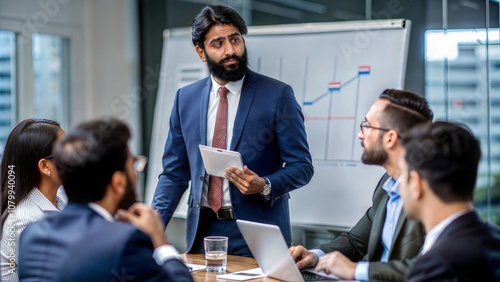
x: 7, y: 84
x: 462, y: 75
x: 50, y: 69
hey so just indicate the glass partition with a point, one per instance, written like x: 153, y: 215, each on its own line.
x: 50, y: 72
x: 7, y: 84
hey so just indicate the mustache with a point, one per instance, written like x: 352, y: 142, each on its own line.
x: 231, y: 57
x: 362, y: 144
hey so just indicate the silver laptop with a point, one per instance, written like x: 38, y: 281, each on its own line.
x: 271, y: 253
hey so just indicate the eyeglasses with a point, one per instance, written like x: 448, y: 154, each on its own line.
x: 49, y: 157
x: 140, y: 163
x: 364, y: 124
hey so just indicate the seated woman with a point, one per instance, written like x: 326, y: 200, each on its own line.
x: 29, y: 183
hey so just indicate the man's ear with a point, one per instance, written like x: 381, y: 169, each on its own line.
x: 201, y: 53
x: 391, y: 138
x: 118, y: 183
x: 416, y: 186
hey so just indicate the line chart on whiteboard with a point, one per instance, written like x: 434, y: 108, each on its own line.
x: 334, y: 100
x: 332, y: 121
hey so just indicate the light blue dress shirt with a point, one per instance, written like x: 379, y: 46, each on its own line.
x: 394, y: 206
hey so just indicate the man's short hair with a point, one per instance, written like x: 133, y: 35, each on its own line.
x: 88, y: 155
x: 406, y: 109
x: 447, y: 156
x: 212, y: 15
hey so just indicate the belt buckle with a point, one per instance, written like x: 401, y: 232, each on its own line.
x: 225, y: 214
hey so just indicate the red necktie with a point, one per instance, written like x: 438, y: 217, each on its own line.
x: 218, y: 141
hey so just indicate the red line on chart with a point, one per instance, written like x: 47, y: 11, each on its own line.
x: 330, y: 118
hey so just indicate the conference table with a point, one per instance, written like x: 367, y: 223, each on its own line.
x: 234, y: 263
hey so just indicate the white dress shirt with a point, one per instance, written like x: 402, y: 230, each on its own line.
x: 32, y: 208
x: 233, y: 100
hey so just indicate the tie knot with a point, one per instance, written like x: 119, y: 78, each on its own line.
x: 223, y: 91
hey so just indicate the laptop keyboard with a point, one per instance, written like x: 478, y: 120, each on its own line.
x: 309, y: 276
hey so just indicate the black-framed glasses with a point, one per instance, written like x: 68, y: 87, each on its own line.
x: 49, y: 157
x: 140, y: 163
x: 365, y: 124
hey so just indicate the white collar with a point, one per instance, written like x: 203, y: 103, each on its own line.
x: 43, y: 202
x: 101, y: 211
x: 234, y: 87
x: 436, y: 231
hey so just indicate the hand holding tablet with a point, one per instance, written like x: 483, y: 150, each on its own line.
x: 216, y: 160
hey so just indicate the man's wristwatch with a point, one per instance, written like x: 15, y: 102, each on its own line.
x: 266, y: 190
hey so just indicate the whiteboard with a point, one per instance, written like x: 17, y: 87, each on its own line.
x: 337, y: 70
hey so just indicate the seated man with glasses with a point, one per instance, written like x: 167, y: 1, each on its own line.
x: 84, y: 242
x: 383, y: 242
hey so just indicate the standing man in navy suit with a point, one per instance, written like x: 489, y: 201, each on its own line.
x: 264, y: 123
x: 84, y: 242
x: 439, y: 175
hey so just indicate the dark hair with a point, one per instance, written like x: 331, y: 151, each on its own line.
x: 88, y: 156
x: 212, y: 15
x: 28, y: 142
x: 405, y: 110
x: 446, y: 155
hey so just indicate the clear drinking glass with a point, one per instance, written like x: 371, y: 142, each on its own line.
x: 216, y: 253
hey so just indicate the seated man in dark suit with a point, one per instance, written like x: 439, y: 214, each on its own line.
x: 84, y: 242
x: 384, y: 241
x: 437, y: 189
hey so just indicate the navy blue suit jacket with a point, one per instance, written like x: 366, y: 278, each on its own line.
x: 77, y: 244
x: 467, y: 250
x: 269, y: 133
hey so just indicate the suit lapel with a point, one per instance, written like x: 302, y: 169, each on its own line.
x: 397, y: 231
x: 375, y: 243
x: 205, y: 98
x: 247, y: 95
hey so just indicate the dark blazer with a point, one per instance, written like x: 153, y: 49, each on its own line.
x: 269, y: 133
x: 78, y: 244
x: 467, y: 250
x: 364, y: 241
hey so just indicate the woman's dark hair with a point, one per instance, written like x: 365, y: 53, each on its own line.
x: 88, y: 156
x: 212, y: 15
x: 29, y: 141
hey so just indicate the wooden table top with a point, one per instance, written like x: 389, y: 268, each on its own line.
x: 234, y: 263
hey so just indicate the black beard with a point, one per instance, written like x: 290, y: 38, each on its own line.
x: 377, y: 156
x: 233, y: 72
x: 130, y: 196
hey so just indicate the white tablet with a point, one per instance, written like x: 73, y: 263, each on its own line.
x: 216, y: 161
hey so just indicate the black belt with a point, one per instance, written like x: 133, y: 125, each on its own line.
x: 222, y: 214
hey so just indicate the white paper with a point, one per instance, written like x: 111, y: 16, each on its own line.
x: 195, y: 267
x: 243, y: 275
